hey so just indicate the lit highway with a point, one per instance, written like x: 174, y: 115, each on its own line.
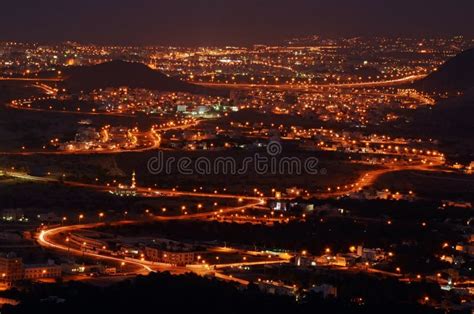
x: 31, y: 79
x: 369, y: 178
x: 391, y: 82
x: 315, y: 87
x: 49, y: 239
x: 366, y: 180
x: 45, y: 240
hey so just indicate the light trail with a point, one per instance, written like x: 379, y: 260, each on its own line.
x: 44, y: 239
x: 47, y: 239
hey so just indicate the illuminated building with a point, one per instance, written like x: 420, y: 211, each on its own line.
x: 124, y: 190
x: 11, y: 268
x: 180, y: 258
x: 32, y: 272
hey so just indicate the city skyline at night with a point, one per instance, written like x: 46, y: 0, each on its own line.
x: 237, y: 157
x: 211, y: 22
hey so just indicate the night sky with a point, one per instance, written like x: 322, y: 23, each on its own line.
x: 203, y: 22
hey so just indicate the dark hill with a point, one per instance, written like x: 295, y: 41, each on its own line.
x: 451, y: 118
x: 130, y: 74
x: 455, y: 75
x: 456, y: 114
x: 449, y: 121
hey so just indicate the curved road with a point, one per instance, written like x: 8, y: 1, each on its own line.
x: 47, y: 239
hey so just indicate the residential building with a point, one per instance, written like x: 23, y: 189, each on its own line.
x: 180, y: 258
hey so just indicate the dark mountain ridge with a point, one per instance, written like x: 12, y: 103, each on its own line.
x: 456, y: 75
x: 120, y: 73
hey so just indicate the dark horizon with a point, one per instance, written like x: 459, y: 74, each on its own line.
x: 211, y: 22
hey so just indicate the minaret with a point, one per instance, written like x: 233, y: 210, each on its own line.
x: 134, y: 182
